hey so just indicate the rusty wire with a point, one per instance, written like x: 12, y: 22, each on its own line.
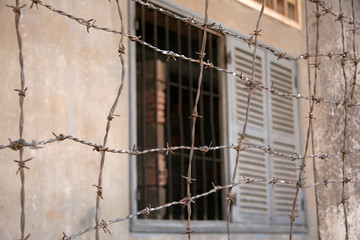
x: 355, y: 59
x: 121, y: 50
x: 219, y: 29
x: 310, y: 122
x: 299, y: 184
x: 229, y: 198
x: 194, y: 116
x: 312, y: 127
x: 16, y: 145
x: 246, y: 80
x: 216, y: 188
x: 21, y: 162
x: 329, y: 10
x: 346, y: 98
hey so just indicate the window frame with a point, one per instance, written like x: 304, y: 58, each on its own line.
x: 165, y: 225
x: 178, y: 226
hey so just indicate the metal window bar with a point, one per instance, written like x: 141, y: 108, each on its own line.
x: 143, y: 136
x: 168, y: 127
x: 191, y: 96
x: 212, y: 122
x: 180, y: 110
x: 155, y: 35
x: 165, y: 101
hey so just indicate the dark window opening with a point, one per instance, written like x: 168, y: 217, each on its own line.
x: 166, y: 91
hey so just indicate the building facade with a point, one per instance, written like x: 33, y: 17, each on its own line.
x: 73, y: 74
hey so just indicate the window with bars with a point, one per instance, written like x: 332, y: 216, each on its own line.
x: 165, y: 94
x: 166, y: 91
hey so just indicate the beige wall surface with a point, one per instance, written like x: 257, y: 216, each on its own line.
x: 72, y: 78
x: 329, y: 125
x: 242, y: 18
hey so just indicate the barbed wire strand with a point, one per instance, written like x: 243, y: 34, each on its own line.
x: 229, y: 198
x: 219, y: 29
x: 21, y: 143
x: 216, y: 188
x: 16, y: 145
x: 314, y: 168
x: 194, y: 117
x: 21, y: 162
x: 245, y: 80
x: 346, y: 98
x: 355, y: 58
x: 310, y: 122
x: 110, y: 117
x: 329, y: 10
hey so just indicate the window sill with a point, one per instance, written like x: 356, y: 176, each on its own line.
x: 179, y: 226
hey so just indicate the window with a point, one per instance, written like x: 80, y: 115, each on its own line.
x: 166, y: 91
x: 165, y: 94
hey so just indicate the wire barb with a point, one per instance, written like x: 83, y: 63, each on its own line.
x: 22, y: 164
x: 99, y: 191
x: 16, y: 9
x: 35, y: 2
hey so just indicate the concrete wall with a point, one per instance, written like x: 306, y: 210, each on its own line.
x: 329, y: 125
x: 72, y: 78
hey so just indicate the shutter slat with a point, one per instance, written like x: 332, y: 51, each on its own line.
x: 253, y: 198
x: 254, y: 187
x: 282, y: 109
x: 284, y: 168
x: 282, y: 104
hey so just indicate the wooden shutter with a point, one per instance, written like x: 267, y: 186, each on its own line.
x: 273, y: 121
x: 283, y: 138
x: 252, y: 203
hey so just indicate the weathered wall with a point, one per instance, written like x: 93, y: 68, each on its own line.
x: 329, y: 124
x: 235, y: 15
x: 72, y: 78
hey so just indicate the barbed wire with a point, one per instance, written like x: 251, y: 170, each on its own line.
x: 229, y: 198
x: 171, y: 54
x: 216, y: 188
x: 356, y: 59
x: 339, y: 16
x: 99, y: 196
x: 22, y: 93
x: 310, y: 124
x: 250, y: 83
x: 17, y: 144
x: 343, y: 156
x: 194, y: 117
x: 220, y: 29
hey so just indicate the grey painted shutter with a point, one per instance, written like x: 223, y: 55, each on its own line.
x: 251, y: 200
x: 283, y: 138
x: 273, y: 121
